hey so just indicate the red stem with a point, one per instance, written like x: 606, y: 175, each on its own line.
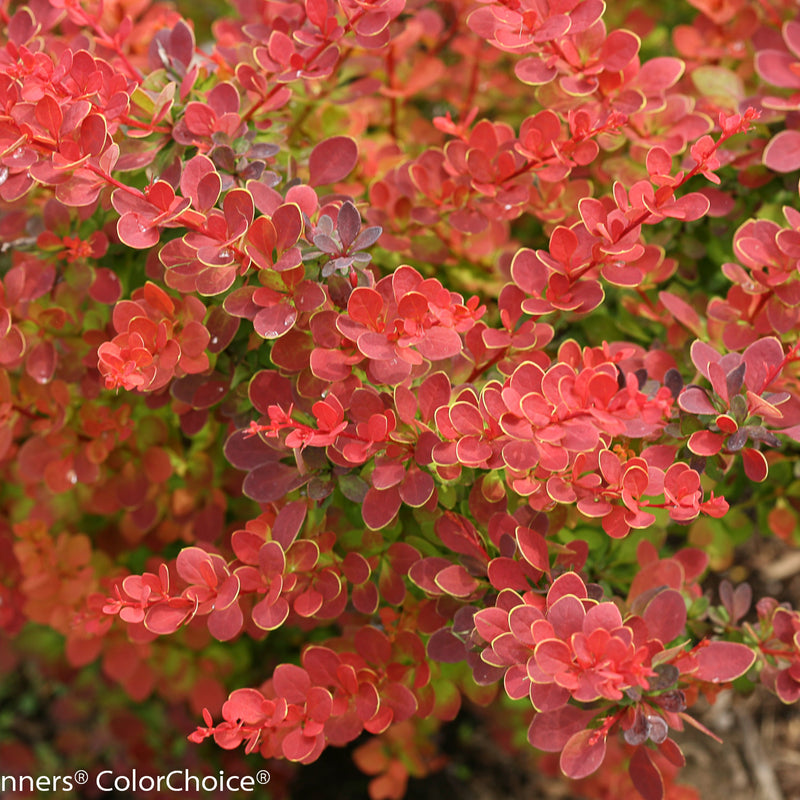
x: 479, y: 370
x: 143, y: 126
x: 775, y: 371
x: 392, y: 97
x: 469, y: 98
x: 309, y: 61
x: 768, y: 651
x: 109, y: 41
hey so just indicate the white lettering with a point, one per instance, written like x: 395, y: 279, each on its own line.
x: 169, y: 781
x: 150, y: 786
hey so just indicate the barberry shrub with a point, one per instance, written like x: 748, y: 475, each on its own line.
x: 410, y: 353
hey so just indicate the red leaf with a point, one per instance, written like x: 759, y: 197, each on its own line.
x: 195, y: 170
x: 308, y: 603
x: 304, y: 197
x: 456, y: 581
x: 365, y: 306
x: 551, y: 730
x: 319, y: 703
x: 445, y: 646
x: 136, y: 231
x: 180, y: 44
x: 665, y: 616
x: 299, y: 747
x: 387, y: 474
x: 317, y: 12
x: 433, y: 393
x: 379, y: 507
x: 373, y: 645
x: 239, y: 208
x: 248, y: 452
x: 365, y: 597
x: 583, y: 754
x: 260, y: 242
x: 534, y: 71
x: 439, y: 343
x: 302, y: 556
x: 466, y: 418
x: 621, y: 275
x: 288, y: 523
x: 553, y: 656
x: 467, y: 220
x: 782, y: 154
x: 106, y: 287
x: 270, y: 482
x: 755, y: 464
x: 657, y: 74
x: 93, y: 134
x: 367, y: 699
x: 207, y: 192
x: 567, y: 584
x: 761, y: 359
x: 245, y: 705
x: 268, y: 616
x: 288, y: 222
x: 274, y: 321
x: 491, y: 622
x: 672, y: 752
x: 194, y: 566
x: 200, y: 119
x: 215, y: 280
x: 689, y: 207
x: 506, y: 573
x: 533, y: 547
x: 309, y: 296
x: 645, y: 775
x: 225, y: 624
x: 49, y: 115
x: 332, y: 160
x: 423, y: 573
x: 696, y: 401
x: 566, y: 616
x: 417, y: 487
x: 706, y: 443
x: 166, y: 618
x: 41, y: 362
x: 721, y: 204
x: 400, y: 699
x: 268, y: 388
x: 618, y: 50
x: 659, y: 161
x: 356, y: 568
x: 459, y: 535
x: 472, y: 452
x: 682, y: 312
x: 720, y: 662
x: 21, y: 27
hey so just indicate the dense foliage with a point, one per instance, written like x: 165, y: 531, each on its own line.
x: 360, y: 359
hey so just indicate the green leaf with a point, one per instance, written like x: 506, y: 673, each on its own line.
x: 719, y: 85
